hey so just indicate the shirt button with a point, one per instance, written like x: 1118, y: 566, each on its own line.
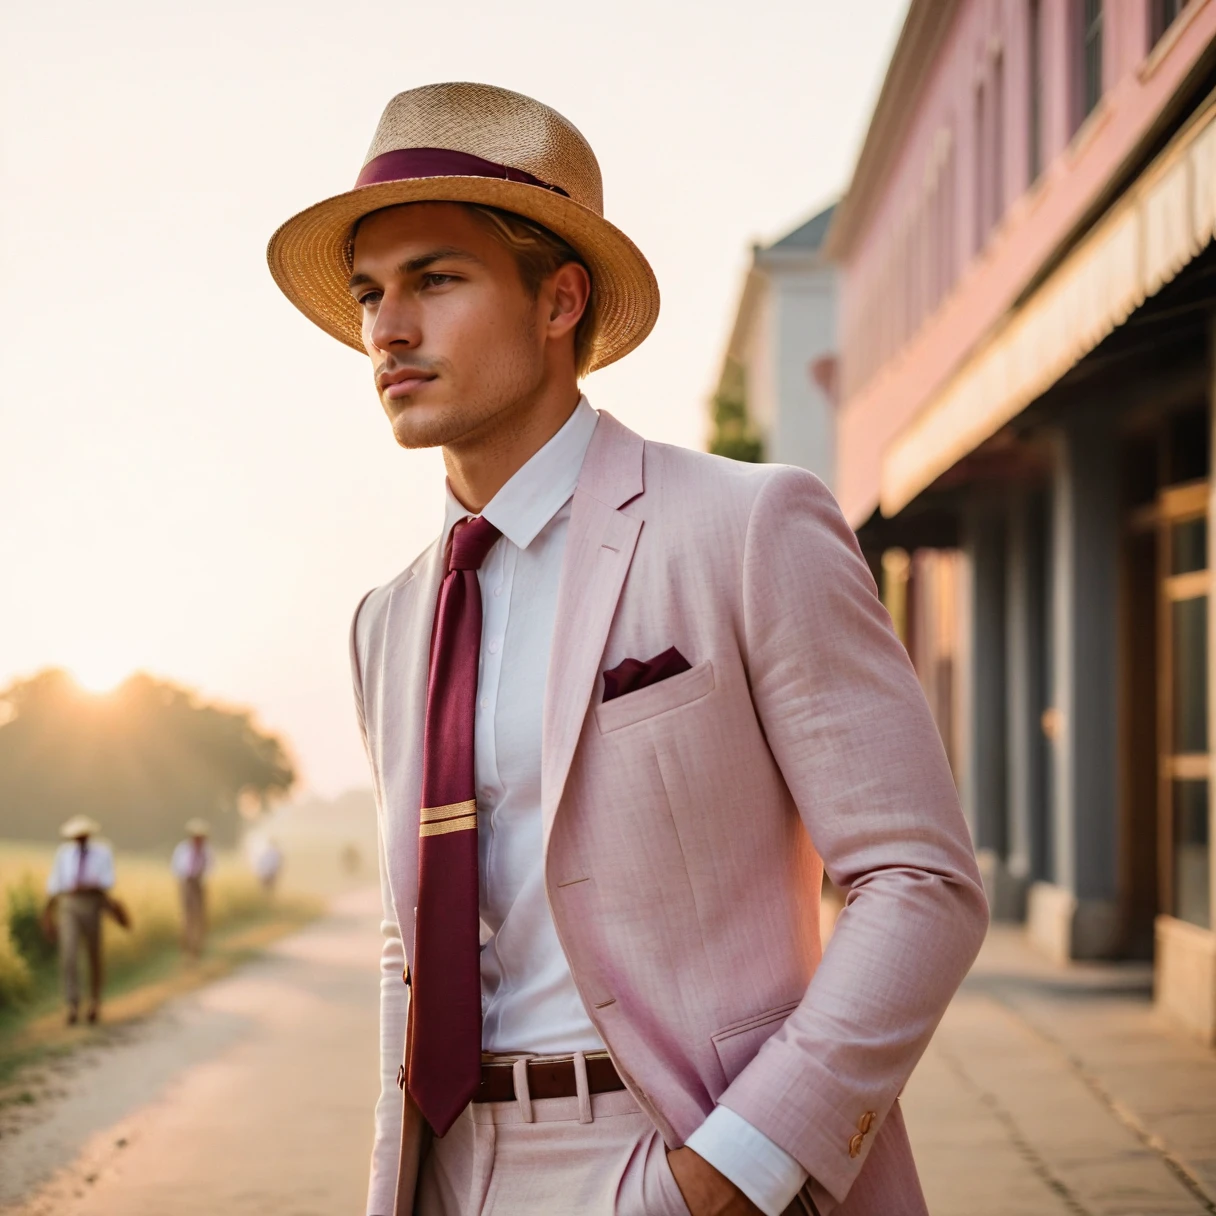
x: 485, y: 702
x: 498, y: 589
x: 493, y: 647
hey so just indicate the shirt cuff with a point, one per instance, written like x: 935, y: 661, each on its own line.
x: 765, y: 1173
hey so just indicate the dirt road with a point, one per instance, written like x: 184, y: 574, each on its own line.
x: 251, y: 1096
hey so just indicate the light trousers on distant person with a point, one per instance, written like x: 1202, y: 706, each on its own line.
x: 594, y: 1155
x: 80, y: 925
x: 194, y: 915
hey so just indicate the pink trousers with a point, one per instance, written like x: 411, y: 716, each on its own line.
x: 594, y: 1155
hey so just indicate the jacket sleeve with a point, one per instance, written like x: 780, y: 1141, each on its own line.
x: 848, y: 725
x: 394, y: 996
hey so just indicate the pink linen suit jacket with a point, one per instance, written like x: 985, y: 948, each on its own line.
x: 685, y: 823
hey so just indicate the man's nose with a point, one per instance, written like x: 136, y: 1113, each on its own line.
x: 394, y: 325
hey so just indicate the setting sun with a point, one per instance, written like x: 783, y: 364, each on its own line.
x: 99, y: 675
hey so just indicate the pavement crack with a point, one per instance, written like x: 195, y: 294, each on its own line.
x: 1033, y: 1158
x: 1124, y: 1114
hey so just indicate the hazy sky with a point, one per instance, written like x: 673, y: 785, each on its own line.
x: 195, y: 481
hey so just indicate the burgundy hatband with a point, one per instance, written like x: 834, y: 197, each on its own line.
x: 403, y: 164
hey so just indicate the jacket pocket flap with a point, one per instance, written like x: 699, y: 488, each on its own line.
x: 656, y: 699
x: 738, y: 1043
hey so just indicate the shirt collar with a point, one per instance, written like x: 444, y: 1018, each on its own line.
x: 536, y: 492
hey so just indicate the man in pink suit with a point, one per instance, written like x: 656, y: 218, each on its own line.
x: 621, y: 715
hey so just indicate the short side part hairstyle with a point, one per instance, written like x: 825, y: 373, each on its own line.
x: 538, y: 253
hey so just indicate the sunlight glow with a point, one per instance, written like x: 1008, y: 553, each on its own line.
x: 99, y: 675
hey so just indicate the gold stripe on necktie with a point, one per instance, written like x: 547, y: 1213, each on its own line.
x: 432, y: 814
x: 465, y: 823
x: 455, y: 817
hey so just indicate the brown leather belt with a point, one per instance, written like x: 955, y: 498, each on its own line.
x: 547, y: 1079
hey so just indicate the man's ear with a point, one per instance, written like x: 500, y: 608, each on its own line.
x: 569, y: 291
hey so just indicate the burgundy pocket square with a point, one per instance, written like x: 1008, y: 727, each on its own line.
x: 633, y: 674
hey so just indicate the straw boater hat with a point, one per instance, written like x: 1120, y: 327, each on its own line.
x: 471, y: 143
x: 198, y: 827
x: 79, y: 825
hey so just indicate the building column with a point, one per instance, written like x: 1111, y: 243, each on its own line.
x: 984, y: 768
x: 1075, y: 916
x: 1026, y: 788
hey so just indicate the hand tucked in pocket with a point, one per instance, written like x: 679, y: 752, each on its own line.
x: 634, y: 674
x: 705, y: 1190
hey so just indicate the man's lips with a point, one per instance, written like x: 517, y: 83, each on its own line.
x: 402, y: 384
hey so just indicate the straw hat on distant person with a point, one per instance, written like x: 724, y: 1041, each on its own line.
x: 78, y: 826
x: 198, y: 827
x: 471, y: 143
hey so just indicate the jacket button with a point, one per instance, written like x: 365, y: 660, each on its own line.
x: 866, y: 1122
x: 855, y: 1145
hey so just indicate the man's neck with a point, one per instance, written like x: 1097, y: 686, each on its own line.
x: 479, y: 466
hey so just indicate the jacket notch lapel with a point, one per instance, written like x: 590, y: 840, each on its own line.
x: 599, y: 550
x: 401, y: 712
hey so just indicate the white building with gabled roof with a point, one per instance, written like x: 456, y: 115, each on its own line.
x: 780, y: 359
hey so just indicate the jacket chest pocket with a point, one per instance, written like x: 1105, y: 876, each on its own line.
x: 660, y: 698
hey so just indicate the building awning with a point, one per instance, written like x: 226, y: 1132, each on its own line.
x: 1165, y: 220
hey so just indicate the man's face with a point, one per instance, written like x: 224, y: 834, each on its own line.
x: 456, y: 341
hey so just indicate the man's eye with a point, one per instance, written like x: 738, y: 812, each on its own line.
x: 369, y: 298
x: 435, y: 279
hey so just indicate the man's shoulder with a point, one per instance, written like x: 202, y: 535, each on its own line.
x: 374, y: 602
x: 732, y: 487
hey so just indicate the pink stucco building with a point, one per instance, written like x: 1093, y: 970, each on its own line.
x: 1028, y: 320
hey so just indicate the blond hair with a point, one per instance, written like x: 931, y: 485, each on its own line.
x: 538, y: 252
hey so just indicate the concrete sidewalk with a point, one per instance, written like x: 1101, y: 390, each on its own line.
x: 1059, y: 1090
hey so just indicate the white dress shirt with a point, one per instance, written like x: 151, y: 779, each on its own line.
x: 191, y: 860
x: 529, y: 1000
x: 66, y: 873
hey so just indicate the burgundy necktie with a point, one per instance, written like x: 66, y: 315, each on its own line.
x: 444, y: 1066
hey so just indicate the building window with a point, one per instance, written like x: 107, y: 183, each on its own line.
x: 981, y: 166
x: 1035, y: 89
x: 989, y: 151
x: 1090, y: 48
x: 949, y: 235
x: 1162, y: 15
x: 996, y: 168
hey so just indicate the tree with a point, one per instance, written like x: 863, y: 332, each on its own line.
x: 141, y: 759
x: 733, y: 435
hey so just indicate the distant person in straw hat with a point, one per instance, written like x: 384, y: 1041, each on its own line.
x: 192, y: 862
x: 81, y: 877
x: 607, y: 713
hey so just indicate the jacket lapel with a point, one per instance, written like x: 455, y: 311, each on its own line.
x: 599, y: 549
x: 402, y: 711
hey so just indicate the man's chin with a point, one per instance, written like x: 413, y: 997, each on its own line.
x: 418, y: 426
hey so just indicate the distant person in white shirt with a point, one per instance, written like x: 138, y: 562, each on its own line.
x: 267, y: 862
x: 80, y: 879
x: 192, y: 861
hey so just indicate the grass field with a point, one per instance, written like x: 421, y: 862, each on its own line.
x: 143, y: 964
